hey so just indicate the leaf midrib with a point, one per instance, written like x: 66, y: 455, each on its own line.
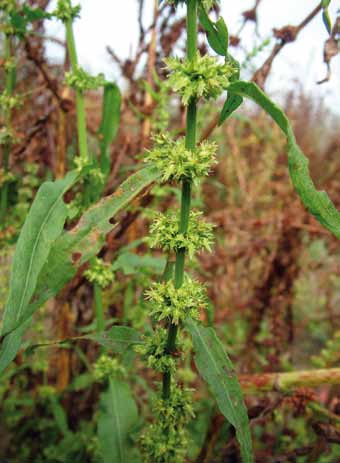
x: 34, y: 251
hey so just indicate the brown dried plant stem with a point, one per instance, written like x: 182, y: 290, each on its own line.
x: 284, y: 382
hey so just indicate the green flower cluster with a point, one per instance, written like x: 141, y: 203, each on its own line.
x: 164, y: 233
x: 89, y: 171
x: 65, y: 11
x: 177, y: 163
x: 8, y: 101
x: 80, y: 80
x: 99, y: 272
x: 204, y: 77
x: 7, y: 5
x: 6, y: 177
x: 153, y: 351
x: 10, y: 64
x: 176, y: 304
x: 107, y: 366
x: 7, y: 135
x: 167, y: 441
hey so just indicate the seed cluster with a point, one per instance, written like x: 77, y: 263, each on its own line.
x: 178, y: 163
x: 205, y: 77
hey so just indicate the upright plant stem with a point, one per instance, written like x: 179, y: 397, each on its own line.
x: 190, y: 144
x: 84, y: 154
x: 98, y: 301
x: 80, y: 101
x: 9, y: 87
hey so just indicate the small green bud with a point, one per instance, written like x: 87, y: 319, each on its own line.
x: 65, y: 11
x: 82, y: 81
x: 107, y: 366
x: 100, y: 272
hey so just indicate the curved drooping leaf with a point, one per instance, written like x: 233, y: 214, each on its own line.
x: 118, y: 415
x: 217, y: 370
x: 217, y: 32
x: 72, y: 249
x: 109, y: 124
x: 316, y: 202
x: 43, y: 225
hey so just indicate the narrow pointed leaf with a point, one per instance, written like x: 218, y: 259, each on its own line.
x: 117, y: 417
x: 216, y: 369
x: 232, y: 103
x: 316, y: 202
x: 327, y: 20
x: 76, y: 246
x: 109, y: 124
x: 117, y: 338
x: 217, y: 33
x: 11, y: 345
x: 43, y: 225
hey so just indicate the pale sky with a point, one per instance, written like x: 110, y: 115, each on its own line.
x: 114, y: 23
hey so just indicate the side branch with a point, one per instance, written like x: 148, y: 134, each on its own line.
x: 284, y: 382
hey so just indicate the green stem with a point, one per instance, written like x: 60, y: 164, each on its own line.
x: 80, y: 101
x: 99, y: 310
x: 9, y: 88
x: 190, y: 143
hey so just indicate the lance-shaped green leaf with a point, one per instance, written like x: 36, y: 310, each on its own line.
x: 216, y: 369
x: 76, y: 246
x: 316, y: 202
x: 217, y: 32
x: 118, y: 415
x: 117, y: 338
x: 109, y: 124
x: 44, y: 223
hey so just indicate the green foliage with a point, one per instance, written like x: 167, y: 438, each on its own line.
x: 117, y: 339
x: 164, y: 233
x: 77, y: 246
x: 217, y: 33
x: 109, y: 125
x: 43, y: 225
x: 175, y: 162
x: 65, y: 11
x: 82, y: 81
x: 117, y: 417
x: 217, y: 370
x: 177, y: 304
x: 317, y: 202
x: 106, y: 367
x: 203, y: 77
x: 330, y: 354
